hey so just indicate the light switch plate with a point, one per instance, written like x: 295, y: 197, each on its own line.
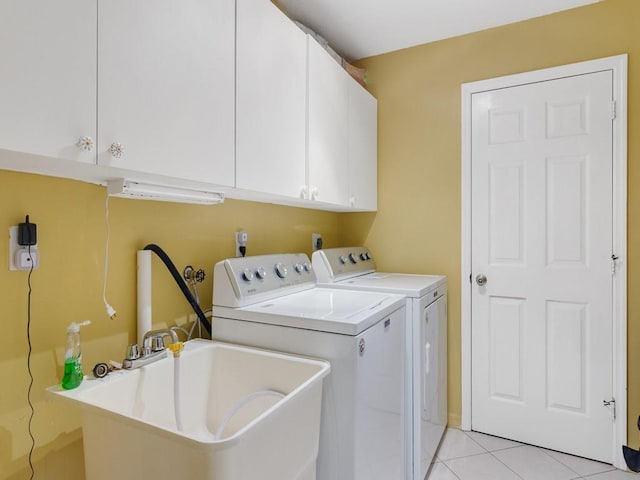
x: 14, y: 253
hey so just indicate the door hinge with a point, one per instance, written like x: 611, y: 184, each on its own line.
x: 610, y: 403
x: 613, y: 110
x: 614, y: 259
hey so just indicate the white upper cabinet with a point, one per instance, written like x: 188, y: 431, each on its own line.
x: 305, y: 129
x: 271, y: 76
x: 227, y: 93
x: 48, y: 77
x: 166, y: 87
x: 342, y: 141
x: 328, y: 128
x: 363, y: 148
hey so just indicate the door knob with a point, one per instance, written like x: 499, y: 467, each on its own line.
x: 481, y: 280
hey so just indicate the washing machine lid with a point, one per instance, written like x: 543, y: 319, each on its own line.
x: 409, y: 285
x: 322, y: 309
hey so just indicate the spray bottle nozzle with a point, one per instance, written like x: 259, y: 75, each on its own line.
x: 75, y: 327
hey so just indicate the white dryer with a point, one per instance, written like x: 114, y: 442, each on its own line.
x: 272, y: 302
x: 426, y: 342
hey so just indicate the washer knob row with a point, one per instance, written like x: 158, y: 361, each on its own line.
x: 280, y: 269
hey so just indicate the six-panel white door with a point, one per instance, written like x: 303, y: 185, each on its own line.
x: 542, y: 237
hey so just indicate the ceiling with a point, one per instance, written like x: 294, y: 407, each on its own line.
x: 363, y: 28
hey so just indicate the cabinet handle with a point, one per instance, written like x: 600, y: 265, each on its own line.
x: 116, y: 150
x: 304, y: 191
x: 352, y: 202
x: 85, y: 144
x: 314, y: 193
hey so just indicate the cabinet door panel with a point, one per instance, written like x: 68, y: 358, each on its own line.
x: 48, y: 76
x: 328, y: 127
x: 363, y: 148
x: 166, y: 87
x: 271, y: 68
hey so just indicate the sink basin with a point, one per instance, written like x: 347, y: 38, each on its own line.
x: 245, y: 413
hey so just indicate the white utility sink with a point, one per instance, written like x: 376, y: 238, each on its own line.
x: 129, y: 423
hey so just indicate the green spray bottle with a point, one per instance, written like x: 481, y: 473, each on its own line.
x: 73, y: 375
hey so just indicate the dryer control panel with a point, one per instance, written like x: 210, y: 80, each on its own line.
x: 245, y: 280
x: 334, y: 264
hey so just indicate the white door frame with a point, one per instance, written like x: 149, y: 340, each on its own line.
x: 618, y: 64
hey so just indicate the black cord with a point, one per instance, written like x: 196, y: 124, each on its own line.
x: 33, y: 440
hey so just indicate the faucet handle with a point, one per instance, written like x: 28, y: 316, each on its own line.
x: 133, y: 352
x: 157, y: 343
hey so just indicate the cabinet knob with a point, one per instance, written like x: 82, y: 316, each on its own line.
x: 352, y: 202
x: 314, y: 193
x: 304, y: 191
x: 85, y: 144
x: 116, y: 150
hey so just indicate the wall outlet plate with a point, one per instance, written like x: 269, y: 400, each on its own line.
x: 314, y: 241
x: 19, y: 258
x: 241, y: 240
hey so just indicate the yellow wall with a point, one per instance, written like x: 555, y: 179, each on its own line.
x: 417, y: 227
x: 68, y: 287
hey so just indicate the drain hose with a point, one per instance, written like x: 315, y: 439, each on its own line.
x: 183, y: 287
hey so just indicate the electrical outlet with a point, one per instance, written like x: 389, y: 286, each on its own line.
x: 316, y: 241
x: 241, y: 241
x: 19, y: 257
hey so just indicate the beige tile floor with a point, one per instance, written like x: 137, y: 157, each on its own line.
x: 476, y: 456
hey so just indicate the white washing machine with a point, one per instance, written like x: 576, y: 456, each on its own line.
x: 272, y: 302
x: 426, y: 374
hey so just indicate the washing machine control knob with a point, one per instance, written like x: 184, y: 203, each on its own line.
x: 247, y: 275
x: 342, y: 259
x: 298, y: 268
x: 363, y: 256
x: 261, y: 273
x: 353, y: 258
x: 281, y: 270
x: 307, y: 267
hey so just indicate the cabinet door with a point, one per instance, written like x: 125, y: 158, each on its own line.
x: 363, y: 148
x: 271, y: 88
x: 48, y: 76
x: 328, y: 127
x: 166, y: 87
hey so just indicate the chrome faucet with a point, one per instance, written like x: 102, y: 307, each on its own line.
x: 153, y: 349
x: 153, y: 341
